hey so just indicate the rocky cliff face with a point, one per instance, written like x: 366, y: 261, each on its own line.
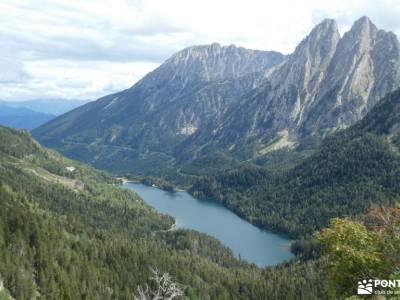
x: 305, y: 69
x: 279, y: 108
x: 211, y: 104
x: 327, y: 83
x: 364, y: 68
x: 215, y: 62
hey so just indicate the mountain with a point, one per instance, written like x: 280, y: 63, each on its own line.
x: 144, y: 124
x: 34, y: 113
x: 364, y: 69
x: 48, y: 106
x: 353, y: 170
x: 327, y: 83
x: 72, y: 234
x: 213, y: 107
x: 21, y: 117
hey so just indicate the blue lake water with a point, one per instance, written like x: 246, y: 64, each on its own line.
x: 251, y: 243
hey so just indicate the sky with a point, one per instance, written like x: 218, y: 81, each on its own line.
x: 87, y: 49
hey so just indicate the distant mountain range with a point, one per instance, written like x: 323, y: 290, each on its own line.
x: 212, y: 107
x: 22, y: 117
x: 31, y: 114
x: 48, y: 106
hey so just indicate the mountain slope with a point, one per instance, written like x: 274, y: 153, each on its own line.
x: 211, y: 107
x: 353, y: 170
x: 21, y: 117
x: 144, y: 124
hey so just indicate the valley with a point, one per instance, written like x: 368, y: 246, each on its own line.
x: 223, y: 173
x: 56, y: 239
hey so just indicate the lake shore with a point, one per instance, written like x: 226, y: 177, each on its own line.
x: 264, y: 248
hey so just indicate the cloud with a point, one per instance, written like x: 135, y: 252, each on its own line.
x: 85, y: 49
x: 75, y: 80
x: 64, y: 32
x: 12, y: 71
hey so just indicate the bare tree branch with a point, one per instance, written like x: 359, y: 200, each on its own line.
x: 166, y: 288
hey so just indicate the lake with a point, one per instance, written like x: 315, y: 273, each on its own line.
x: 244, y: 239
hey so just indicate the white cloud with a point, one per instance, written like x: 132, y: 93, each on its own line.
x: 86, y: 49
x: 12, y: 71
x: 75, y: 80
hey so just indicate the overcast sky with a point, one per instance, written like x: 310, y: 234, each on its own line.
x: 87, y: 49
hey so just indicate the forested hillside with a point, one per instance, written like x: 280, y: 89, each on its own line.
x: 66, y: 232
x: 352, y: 170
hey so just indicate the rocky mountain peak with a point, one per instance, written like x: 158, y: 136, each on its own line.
x: 363, y: 24
x: 215, y: 62
x: 298, y: 78
x: 320, y: 44
x: 311, y: 56
x: 362, y: 35
x: 196, y: 52
x: 327, y: 30
x: 363, y: 69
